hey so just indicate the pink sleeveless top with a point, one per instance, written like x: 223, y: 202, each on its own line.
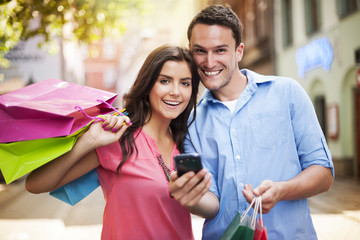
x: 138, y: 205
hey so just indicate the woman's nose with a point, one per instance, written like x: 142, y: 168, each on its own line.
x: 175, y: 90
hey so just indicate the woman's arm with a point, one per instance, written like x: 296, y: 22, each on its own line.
x: 81, y: 159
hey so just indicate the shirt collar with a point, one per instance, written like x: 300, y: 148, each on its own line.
x: 253, y: 80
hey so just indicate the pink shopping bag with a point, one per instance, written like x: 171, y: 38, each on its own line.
x: 260, y: 231
x: 47, y: 109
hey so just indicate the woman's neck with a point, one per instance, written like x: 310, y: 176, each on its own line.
x: 157, y: 129
x: 161, y: 133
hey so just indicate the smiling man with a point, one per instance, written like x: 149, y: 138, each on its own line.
x: 251, y: 131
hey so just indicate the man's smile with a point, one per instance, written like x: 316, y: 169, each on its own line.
x: 212, y: 73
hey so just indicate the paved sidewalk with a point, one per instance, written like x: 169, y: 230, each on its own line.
x: 336, y: 216
x: 336, y: 213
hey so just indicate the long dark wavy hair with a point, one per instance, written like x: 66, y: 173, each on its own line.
x: 137, y: 103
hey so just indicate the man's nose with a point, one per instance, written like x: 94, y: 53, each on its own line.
x: 209, y: 60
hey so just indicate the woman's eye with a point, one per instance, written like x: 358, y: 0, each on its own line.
x: 164, y: 81
x: 186, y: 84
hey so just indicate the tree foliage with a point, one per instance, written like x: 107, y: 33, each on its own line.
x: 83, y: 20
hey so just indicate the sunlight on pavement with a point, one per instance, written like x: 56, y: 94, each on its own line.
x: 335, y: 226
x: 31, y: 229
x: 89, y: 232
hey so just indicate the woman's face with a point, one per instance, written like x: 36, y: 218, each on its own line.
x: 172, y: 90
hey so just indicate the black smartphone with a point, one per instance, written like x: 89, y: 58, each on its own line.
x: 185, y: 162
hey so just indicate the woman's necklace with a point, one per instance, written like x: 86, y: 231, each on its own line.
x: 167, y: 171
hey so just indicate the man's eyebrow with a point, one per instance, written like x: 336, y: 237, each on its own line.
x: 216, y: 47
x: 197, y: 46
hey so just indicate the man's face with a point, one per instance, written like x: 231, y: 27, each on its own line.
x: 215, y: 54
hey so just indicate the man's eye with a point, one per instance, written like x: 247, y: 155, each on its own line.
x: 198, y: 51
x: 221, y: 50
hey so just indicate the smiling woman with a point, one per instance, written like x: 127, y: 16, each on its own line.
x: 171, y: 92
x: 134, y: 160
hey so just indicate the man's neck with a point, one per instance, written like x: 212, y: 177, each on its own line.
x: 233, y: 89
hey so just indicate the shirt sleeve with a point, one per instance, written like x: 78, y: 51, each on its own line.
x: 310, y: 140
x: 110, y: 156
x: 192, y: 144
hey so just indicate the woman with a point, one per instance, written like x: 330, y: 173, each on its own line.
x: 134, y: 159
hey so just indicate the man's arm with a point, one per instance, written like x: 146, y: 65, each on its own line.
x: 192, y: 192
x: 313, y: 180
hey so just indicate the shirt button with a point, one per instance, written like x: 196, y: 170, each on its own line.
x: 237, y: 157
x: 233, y: 130
x: 241, y: 184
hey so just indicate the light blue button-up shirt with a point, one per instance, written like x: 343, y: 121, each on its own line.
x: 273, y: 134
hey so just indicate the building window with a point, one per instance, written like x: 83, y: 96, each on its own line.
x: 346, y: 7
x: 263, y: 25
x: 312, y: 16
x: 286, y: 7
x: 320, y: 109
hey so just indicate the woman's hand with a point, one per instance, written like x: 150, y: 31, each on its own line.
x: 109, y: 131
x: 192, y: 191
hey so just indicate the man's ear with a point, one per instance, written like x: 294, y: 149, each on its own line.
x: 189, y: 46
x: 240, y: 52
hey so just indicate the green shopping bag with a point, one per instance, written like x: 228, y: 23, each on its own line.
x: 242, y: 227
x: 239, y: 228
x: 20, y: 158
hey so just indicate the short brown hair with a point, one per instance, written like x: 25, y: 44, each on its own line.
x: 218, y: 15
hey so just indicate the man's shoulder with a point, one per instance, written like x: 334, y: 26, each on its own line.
x: 263, y: 78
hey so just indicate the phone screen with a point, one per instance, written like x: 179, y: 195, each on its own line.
x: 187, y: 162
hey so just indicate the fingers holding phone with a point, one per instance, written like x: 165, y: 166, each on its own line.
x: 193, y: 182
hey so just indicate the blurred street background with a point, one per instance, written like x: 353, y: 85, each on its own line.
x: 102, y: 44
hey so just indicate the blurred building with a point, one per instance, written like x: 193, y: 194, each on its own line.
x: 29, y: 64
x: 101, y: 65
x: 317, y: 42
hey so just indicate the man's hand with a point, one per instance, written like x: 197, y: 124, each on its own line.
x: 269, y: 192
x: 311, y: 181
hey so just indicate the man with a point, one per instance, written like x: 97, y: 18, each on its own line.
x: 250, y: 130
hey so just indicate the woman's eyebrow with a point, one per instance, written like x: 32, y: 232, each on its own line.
x: 164, y: 75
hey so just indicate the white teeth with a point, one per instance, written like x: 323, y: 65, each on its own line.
x: 212, y: 73
x: 174, y: 103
